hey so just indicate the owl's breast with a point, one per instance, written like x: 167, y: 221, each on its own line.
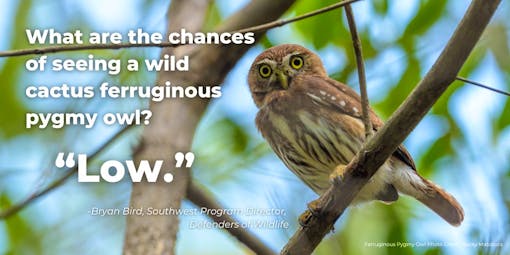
x: 308, y: 142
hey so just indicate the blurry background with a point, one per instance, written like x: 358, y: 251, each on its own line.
x: 463, y: 144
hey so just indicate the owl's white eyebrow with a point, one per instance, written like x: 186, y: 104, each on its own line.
x: 265, y: 61
x: 295, y: 53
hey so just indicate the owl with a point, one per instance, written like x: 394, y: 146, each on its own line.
x: 313, y: 124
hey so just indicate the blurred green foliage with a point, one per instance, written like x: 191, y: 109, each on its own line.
x: 227, y: 149
x: 12, y: 109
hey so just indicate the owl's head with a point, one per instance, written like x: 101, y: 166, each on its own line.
x: 274, y: 69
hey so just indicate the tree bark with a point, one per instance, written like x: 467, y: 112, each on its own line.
x: 174, y: 121
x: 161, y: 140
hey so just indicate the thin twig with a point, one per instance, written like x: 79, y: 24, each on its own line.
x: 365, y: 114
x: 378, y: 148
x: 58, y: 182
x: 482, y: 86
x: 198, y: 196
x: 279, y: 23
x: 64, y: 48
x: 263, y: 27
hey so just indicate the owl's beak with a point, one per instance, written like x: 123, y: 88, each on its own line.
x: 283, y: 79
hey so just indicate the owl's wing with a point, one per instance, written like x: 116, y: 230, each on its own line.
x: 342, y: 98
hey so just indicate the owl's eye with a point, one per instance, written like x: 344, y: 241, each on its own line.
x: 265, y: 70
x: 296, y: 62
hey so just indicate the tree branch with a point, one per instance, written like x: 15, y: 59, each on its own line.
x: 59, y: 181
x: 257, y: 28
x: 200, y: 198
x: 174, y: 122
x: 64, y: 48
x: 482, y: 85
x: 279, y: 23
x: 361, y: 71
x: 170, y: 131
x: 376, y: 151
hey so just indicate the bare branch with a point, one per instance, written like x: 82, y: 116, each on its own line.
x: 482, y: 86
x: 59, y: 181
x: 173, y: 124
x: 376, y: 151
x: 200, y: 198
x: 361, y: 71
x: 279, y: 23
x: 258, y: 28
x: 169, y: 132
x: 64, y: 48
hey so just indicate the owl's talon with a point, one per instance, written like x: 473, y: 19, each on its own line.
x: 315, y: 207
x: 337, y: 174
x: 314, y: 210
x: 304, y: 218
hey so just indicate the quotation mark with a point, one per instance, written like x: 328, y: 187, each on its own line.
x: 114, y: 171
x: 180, y: 157
x: 68, y: 162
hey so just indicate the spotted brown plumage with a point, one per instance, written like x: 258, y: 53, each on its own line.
x: 313, y: 124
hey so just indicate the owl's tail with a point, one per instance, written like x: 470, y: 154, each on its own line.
x: 443, y: 203
x: 433, y: 196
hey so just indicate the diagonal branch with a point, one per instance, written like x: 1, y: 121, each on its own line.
x: 279, y: 23
x: 200, y: 198
x: 375, y: 152
x: 361, y: 71
x: 257, y: 28
x: 170, y: 131
x: 482, y: 85
x: 78, y: 47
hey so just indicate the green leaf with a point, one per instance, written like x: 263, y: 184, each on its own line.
x: 428, y: 14
x: 441, y: 148
x: 213, y: 17
x: 497, y: 36
x: 381, y: 6
x: 266, y: 42
x: 504, y: 120
x: 322, y: 29
x: 401, y: 91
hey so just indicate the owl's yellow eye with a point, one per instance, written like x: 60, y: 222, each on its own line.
x: 296, y: 62
x: 265, y: 70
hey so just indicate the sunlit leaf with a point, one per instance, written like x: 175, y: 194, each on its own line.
x: 381, y: 6
x: 323, y: 29
x: 497, y: 35
x: 439, y: 149
x: 213, y: 17
x: 503, y: 121
x: 428, y: 14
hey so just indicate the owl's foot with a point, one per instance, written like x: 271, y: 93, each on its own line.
x: 304, y: 218
x: 314, y: 207
x: 314, y: 210
x: 337, y: 174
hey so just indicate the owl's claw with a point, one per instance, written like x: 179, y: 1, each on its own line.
x: 314, y: 210
x: 337, y: 174
x: 314, y: 207
x: 304, y: 218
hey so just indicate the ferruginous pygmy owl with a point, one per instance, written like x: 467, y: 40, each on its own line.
x: 313, y: 123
